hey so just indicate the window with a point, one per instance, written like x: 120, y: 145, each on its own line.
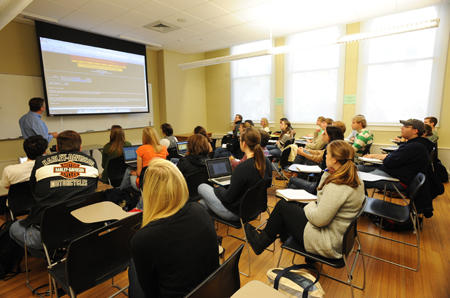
x: 401, y: 76
x: 251, y: 82
x: 314, y: 77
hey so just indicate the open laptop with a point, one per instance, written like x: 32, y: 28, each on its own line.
x: 130, y: 156
x: 219, y: 170
x: 182, y: 148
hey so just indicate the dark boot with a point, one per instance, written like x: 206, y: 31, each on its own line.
x: 258, y: 241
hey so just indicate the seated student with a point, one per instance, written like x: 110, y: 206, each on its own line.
x: 318, y: 144
x: 169, y: 140
x: 364, y: 136
x: 428, y: 133
x: 265, y: 124
x: 405, y: 162
x: 352, y: 135
x: 319, y: 227
x: 34, y: 147
x: 341, y: 125
x: 232, y: 148
x: 176, y: 248
x: 52, y: 183
x: 201, y: 130
x: 150, y: 149
x: 286, y: 135
x: 432, y: 121
x: 318, y: 130
x: 265, y: 137
x: 237, y: 122
x: 194, y: 161
x: 225, y: 201
x: 113, y: 149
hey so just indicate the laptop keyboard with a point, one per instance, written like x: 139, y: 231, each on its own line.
x: 221, y: 179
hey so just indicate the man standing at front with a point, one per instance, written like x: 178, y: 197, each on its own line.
x: 31, y: 123
x: 54, y: 179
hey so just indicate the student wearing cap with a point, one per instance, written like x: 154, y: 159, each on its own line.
x: 405, y: 162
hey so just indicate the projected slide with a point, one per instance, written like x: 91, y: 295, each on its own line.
x: 84, y: 79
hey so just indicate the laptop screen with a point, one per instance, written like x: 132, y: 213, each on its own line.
x: 129, y: 153
x: 219, y: 167
x: 182, y: 147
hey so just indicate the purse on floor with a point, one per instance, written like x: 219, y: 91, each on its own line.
x: 295, y: 281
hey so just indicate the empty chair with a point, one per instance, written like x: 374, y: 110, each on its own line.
x: 116, y: 170
x: 348, y: 241
x: 223, y: 282
x: 97, y: 257
x: 20, y: 199
x: 253, y: 203
x: 399, y: 214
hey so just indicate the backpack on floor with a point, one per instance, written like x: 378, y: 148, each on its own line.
x: 11, y: 253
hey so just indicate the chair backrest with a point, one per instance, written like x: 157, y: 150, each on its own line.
x: 173, y: 153
x: 59, y: 227
x: 194, y: 180
x: 100, y: 255
x: 20, y: 198
x: 116, y: 170
x: 284, y: 157
x: 223, y: 282
x: 141, y: 178
x: 254, y: 201
x: 367, y: 149
x: 414, y: 187
x: 351, y: 232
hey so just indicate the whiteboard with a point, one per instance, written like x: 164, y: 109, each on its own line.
x: 17, y: 90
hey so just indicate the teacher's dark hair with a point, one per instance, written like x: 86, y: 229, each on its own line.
x: 36, y: 103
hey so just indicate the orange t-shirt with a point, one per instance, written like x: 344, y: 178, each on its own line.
x: 147, y: 153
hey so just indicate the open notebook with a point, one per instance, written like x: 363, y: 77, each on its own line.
x: 300, y: 195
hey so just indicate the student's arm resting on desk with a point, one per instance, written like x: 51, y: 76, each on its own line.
x: 376, y: 156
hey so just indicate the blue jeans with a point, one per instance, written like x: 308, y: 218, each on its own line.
x: 273, y: 150
x: 297, y: 183
x: 222, y: 152
x: 29, y: 235
x: 379, y: 184
x: 212, y: 203
x: 129, y: 182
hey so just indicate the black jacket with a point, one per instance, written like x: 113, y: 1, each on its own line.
x: 192, y: 164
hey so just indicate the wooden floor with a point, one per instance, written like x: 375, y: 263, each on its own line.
x: 382, y: 279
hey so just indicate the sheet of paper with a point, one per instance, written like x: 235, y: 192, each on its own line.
x: 372, y: 160
x: 368, y: 177
x: 304, y: 168
x: 296, y: 194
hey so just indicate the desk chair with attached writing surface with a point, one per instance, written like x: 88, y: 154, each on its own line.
x: 348, y: 242
x: 20, y: 199
x: 193, y: 181
x: 253, y: 203
x: 399, y: 214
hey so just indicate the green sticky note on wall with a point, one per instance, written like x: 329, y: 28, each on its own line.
x: 279, y: 101
x: 349, y: 99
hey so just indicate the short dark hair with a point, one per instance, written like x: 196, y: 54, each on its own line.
x: 36, y: 103
x: 240, y: 116
x: 201, y: 130
x: 167, y: 129
x: 68, y: 140
x: 432, y: 120
x: 265, y: 137
x: 35, y: 146
x: 334, y: 132
x: 250, y: 122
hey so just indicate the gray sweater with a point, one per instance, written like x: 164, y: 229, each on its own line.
x: 328, y: 219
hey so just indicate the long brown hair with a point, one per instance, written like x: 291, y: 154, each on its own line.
x: 252, y: 138
x: 116, y: 140
x: 198, y: 145
x: 347, y: 174
x: 150, y: 137
x: 288, y: 129
x: 201, y: 130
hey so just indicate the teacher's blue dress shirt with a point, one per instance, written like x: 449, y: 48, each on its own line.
x: 32, y: 125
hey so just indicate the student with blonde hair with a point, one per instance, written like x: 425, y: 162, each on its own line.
x: 113, y: 149
x: 177, y: 241
x: 265, y: 124
x: 149, y: 150
x: 319, y: 226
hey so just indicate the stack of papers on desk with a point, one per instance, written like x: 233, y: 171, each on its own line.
x: 372, y: 160
x: 308, y: 138
x: 290, y: 194
x: 304, y: 168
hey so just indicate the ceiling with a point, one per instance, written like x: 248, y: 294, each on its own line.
x: 207, y: 25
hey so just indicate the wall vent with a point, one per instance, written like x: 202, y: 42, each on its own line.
x: 161, y: 27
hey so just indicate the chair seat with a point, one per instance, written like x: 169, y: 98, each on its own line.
x: 295, y: 247
x: 234, y: 224
x: 387, y: 210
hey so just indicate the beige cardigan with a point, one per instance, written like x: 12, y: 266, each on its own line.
x: 328, y: 219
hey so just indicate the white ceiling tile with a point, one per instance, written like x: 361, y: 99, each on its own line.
x: 186, y: 51
x: 156, y: 10
x: 214, y: 45
x: 404, y: 5
x: 182, y: 33
x: 48, y: 9
x: 135, y: 18
x: 206, y: 11
x: 73, y: 4
x: 128, y: 4
x: 98, y: 7
x: 174, y: 46
x: 249, y: 31
x: 369, y: 9
x: 203, y: 27
x: 164, y: 39
x: 182, y: 4
x: 228, y: 37
x: 226, y: 21
x: 234, y: 5
x: 189, y: 19
x: 198, y: 40
x: 143, y: 33
x: 113, y: 28
x: 82, y: 20
x: 255, y: 12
